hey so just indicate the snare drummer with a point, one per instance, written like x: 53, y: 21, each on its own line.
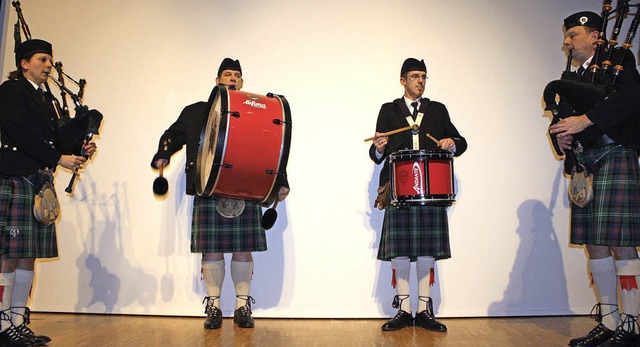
x: 415, y: 233
x: 212, y: 234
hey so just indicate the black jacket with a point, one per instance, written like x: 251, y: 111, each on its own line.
x: 436, y: 122
x: 27, y: 129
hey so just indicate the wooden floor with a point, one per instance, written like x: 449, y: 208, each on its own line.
x: 119, y: 330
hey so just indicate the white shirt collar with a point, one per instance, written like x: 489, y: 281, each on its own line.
x: 408, y: 102
x: 33, y: 84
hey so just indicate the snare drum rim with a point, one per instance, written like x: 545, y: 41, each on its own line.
x: 420, y: 153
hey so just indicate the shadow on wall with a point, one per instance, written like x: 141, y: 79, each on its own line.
x: 538, y: 264
x: 102, y: 267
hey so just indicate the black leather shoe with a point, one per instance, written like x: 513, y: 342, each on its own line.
x: 597, y: 336
x: 242, y: 317
x: 625, y: 335
x: 12, y: 338
x: 622, y: 340
x: 39, y: 340
x: 214, y: 318
x: 402, y: 319
x: 426, y: 320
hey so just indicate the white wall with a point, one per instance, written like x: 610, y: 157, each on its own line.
x: 124, y: 251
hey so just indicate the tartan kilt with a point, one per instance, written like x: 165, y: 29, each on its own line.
x: 612, y: 218
x: 22, y: 235
x: 415, y: 231
x: 213, y: 233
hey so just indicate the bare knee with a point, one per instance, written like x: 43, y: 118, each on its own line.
x: 212, y: 256
x: 624, y: 253
x: 242, y: 257
x: 598, y: 252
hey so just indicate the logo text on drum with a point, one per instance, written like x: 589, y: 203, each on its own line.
x: 417, y: 178
x: 252, y: 103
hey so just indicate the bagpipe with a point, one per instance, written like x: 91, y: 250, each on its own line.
x: 580, y: 94
x: 71, y: 132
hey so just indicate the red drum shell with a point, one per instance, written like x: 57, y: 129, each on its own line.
x: 244, y: 145
x: 420, y: 177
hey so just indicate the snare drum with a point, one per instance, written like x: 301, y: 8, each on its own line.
x: 420, y: 177
x: 244, y: 145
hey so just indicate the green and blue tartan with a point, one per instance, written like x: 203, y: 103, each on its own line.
x: 22, y: 235
x: 213, y: 233
x: 413, y: 232
x: 612, y: 218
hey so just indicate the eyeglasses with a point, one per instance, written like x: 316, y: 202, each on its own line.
x: 416, y: 77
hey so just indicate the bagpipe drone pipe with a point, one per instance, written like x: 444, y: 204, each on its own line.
x: 579, y: 94
x: 71, y: 132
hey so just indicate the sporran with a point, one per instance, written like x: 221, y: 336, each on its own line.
x: 581, y: 186
x: 229, y: 208
x: 46, y: 207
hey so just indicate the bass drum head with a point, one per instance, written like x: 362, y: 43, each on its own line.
x: 208, y: 149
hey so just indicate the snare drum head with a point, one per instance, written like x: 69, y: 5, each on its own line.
x: 421, y: 153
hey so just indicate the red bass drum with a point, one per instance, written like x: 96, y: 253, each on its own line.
x: 244, y: 145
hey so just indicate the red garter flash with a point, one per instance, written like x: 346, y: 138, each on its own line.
x: 628, y: 282
x: 1, y: 292
x: 393, y: 278
x: 432, y: 279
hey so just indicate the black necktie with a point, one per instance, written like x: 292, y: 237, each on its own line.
x: 415, y: 110
x: 41, y: 94
x: 580, y: 71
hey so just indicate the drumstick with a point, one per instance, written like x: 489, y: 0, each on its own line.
x: 433, y: 139
x: 411, y: 127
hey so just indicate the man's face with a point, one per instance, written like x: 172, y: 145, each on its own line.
x: 413, y: 83
x: 38, y: 68
x: 580, y: 43
x: 230, y: 78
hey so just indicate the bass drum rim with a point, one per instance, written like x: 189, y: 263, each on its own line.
x: 207, y: 167
x: 284, y: 151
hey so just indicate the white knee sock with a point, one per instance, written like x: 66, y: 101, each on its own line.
x: 21, y: 290
x: 603, y: 272
x: 7, y: 279
x: 241, y: 273
x: 213, y: 273
x: 401, y: 269
x: 426, y: 278
x: 629, y: 276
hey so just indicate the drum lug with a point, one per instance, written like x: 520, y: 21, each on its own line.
x: 280, y: 122
x: 226, y: 166
x: 232, y: 113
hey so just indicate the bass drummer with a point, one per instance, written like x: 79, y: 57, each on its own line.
x: 213, y: 234
x: 415, y: 233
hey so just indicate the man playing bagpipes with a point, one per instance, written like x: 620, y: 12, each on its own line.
x: 604, y: 138
x: 30, y: 153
